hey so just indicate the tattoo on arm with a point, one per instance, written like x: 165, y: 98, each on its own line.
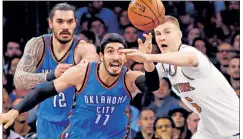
x: 24, y: 77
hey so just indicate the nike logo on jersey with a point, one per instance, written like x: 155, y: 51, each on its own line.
x: 183, y: 87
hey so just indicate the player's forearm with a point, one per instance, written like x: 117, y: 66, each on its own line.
x: 27, y: 80
x: 175, y: 58
x: 148, y: 82
x: 36, y: 96
x: 149, y: 66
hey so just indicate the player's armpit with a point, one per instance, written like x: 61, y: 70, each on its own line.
x: 24, y: 77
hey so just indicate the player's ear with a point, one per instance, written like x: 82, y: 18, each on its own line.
x: 101, y: 56
x: 50, y: 23
x: 180, y: 34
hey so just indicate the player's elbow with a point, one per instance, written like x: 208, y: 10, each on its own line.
x: 18, y: 82
x: 192, y: 60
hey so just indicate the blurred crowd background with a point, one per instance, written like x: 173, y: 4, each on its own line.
x: 212, y: 27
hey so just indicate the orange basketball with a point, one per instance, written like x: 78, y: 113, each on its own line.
x: 146, y: 14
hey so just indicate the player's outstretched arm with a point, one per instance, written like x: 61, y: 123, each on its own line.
x: 71, y: 77
x: 24, y: 77
x: 175, y: 58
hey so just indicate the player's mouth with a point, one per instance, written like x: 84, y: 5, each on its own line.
x: 115, y: 65
x: 163, y: 46
x: 65, y: 33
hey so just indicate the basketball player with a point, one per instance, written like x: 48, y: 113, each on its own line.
x: 196, y: 80
x: 46, y: 58
x: 102, y: 93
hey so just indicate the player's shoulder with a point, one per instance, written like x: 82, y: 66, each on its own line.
x: 36, y: 39
x: 35, y: 43
x: 83, y: 45
x: 184, y: 47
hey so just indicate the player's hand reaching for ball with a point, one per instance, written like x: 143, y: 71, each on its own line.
x: 8, y: 118
x: 145, y: 47
x: 61, y: 68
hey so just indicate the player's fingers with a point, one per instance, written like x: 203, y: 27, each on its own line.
x: 9, y: 123
x: 65, y: 66
x: 149, y: 38
x: 126, y: 51
x: 140, y: 41
x: 146, y: 37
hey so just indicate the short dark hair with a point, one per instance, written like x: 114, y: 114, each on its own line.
x: 134, y: 63
x: 110, y: 38
x: 63, y: 7
x: 129, y: 26
x: 235, y: 57
x: 96, y: 19
x: 165, y: 117
x: 146, y: 109
x: 89, y: 34
x: 234, y: 36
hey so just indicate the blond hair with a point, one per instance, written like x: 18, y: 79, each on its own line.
x: 172, y: 19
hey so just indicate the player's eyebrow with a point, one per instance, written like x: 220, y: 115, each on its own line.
x: 166, y: 29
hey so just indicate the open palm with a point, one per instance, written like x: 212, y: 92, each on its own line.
x: 145, y: 47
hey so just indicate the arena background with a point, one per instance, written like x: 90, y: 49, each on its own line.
x: 212, y: 27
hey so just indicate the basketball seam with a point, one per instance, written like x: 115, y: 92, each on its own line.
x: 143, y: 16
x: 143, y: 24
x: 152, y: 11
x: 158, y: 9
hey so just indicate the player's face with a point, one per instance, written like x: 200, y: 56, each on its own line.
x: 112, y: 59
x: 63, y: 24
x: 167, y: 36
x: 146, y: 121
x: 234, y: 68
x: 178, y: 119
x: 163, y: 90
x: 192, y: 121
x: 162, y: 127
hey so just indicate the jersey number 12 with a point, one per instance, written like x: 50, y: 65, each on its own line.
x: 61, y: 100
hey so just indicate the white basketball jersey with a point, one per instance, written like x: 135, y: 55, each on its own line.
x: 205, y: 91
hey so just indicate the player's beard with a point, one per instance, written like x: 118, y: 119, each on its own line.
x: 60, y: 40
x: 106, y: 68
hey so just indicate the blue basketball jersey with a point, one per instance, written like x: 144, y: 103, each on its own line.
x: 99, y: 111
x: 57, y: 108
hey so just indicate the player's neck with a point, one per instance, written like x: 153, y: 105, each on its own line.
x: 105, y: 76
x: 59, y: 47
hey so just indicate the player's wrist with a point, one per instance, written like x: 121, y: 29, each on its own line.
x: 14, y: 112
x: 51, y: 75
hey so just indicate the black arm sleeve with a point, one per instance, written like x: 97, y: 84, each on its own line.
x: 148, y: 82
x: 36, y: 96
x: 50, y: 75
